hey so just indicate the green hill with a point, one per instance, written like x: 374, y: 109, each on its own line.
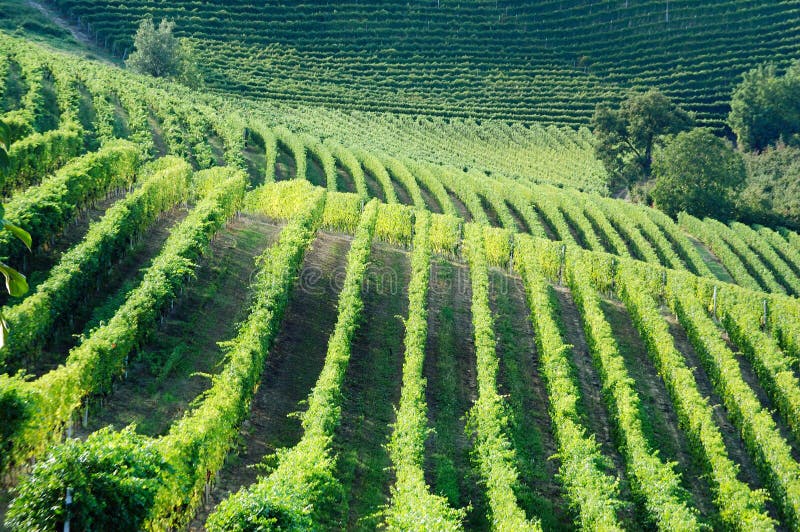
x: 476, y: 336
x: 545, y: 62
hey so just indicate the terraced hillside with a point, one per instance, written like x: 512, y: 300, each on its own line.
x: 302, y: 326
x: 545, y: 62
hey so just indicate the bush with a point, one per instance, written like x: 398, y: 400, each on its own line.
x: 699, y: 173
x: 114, y: 477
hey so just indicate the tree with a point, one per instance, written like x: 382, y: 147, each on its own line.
x: 627, y: 136
x: 765, y: 107
x: 157, y: 52
x: 699, y: 173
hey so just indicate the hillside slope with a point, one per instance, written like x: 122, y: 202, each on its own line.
x: 546, y: 62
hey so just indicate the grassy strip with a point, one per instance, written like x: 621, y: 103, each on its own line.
x: 488, y: 417
x: 298, y: 492
x: 591, y: 492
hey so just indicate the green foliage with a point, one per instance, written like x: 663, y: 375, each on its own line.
x: 699, y: 173
x: 157, y: 52
x: 394, y: 223
x: 37, y: 154
x: 738, y: 504
x: 655, y: 482
x: 342, y: 211
x: 295, y: 495
x: 772, y: 453
x: 445, y: 233
x: 488, y: 418
x: 197, y: 444
x: 627, y: 136
x: 45, y: 210
x: 591, y: 492
x: 765, y: 108
x: 83, y: 266
x: 92, y: 365
x: 413, y: 506
x: 113, y: 478
x: 772, y: 192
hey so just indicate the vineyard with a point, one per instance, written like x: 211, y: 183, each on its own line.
x: 246, y: 315
x: 544, y: 62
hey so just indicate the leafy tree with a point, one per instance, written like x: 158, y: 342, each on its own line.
x: 113, y: 477
x: 159, y: 53
x: 627, y: 136
x: 699, y: 173
x: 772, y: 194
x: 765, y: 107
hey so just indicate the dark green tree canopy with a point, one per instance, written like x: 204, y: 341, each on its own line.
x: 765, y: 107
x: 627, y: 135
x: 159, y: 53
x: 699, y: 173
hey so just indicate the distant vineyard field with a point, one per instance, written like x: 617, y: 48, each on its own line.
x: 541, y: 62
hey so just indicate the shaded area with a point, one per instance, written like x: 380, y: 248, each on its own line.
x: 292, y: 368
x: 520, y: 380
x: 450, y: 370
x: 372, y: 390
x: 162, y: 381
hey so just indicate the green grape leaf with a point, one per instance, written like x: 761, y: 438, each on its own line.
x: 20, y: 233
x: 15, y: 281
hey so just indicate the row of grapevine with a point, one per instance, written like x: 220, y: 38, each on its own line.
x: 196, y: 445
x: 324, y: 156
x: 45, y: 210
x: 373, y: 166
x: 405, y: 178
x: 30, y: 158
x: 630, y: 231
x: 764, y: 275
x: 592, y: 493
x: 350, y: 165
x: 434, y: 187
x: 412, y: 504
x: 738, y: 504
x: 193, y: 450
x: 611, y: 239
x: 733, y: 264
x: 742, y: 318
x: 653, y: 481
x: 85, y: 265
x: 46, y: 405
x: 764, y: 248
x: 759, y: 431
x: 488, y: 418
x: 681, y: 244
x: 303, y: 483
